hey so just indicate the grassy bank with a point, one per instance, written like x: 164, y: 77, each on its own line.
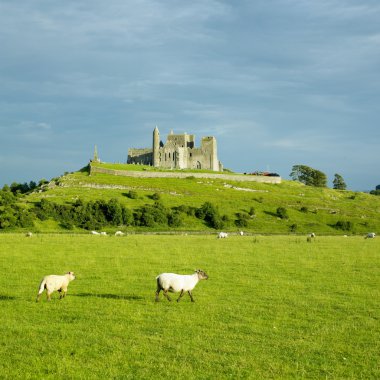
x: 308, y: 208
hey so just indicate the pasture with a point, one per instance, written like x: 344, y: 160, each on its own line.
x: 273, y: 307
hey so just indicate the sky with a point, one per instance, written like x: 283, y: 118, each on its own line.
x: 277, y: 82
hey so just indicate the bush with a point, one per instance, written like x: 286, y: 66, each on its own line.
x: 344, y: 225
x: 242, y: 219
x: 304, y: 209
x: 175, y: 219
x: 132, y: 194
x: 209, y: 213
x: 282, y: 213
x: 156, y: 196
x: 150, y: 216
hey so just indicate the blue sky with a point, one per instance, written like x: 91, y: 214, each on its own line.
x: 277, y: 82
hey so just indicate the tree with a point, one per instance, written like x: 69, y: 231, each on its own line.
x: 209, y: 213
x: 308, y: 176
x: 338, y: 182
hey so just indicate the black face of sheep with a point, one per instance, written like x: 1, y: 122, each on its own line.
x: 202, y: 275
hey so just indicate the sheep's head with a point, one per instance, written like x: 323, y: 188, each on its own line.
x: 202, y: 275
x: 71, y: 275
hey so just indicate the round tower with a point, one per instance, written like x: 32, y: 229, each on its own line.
x: 156, y: 147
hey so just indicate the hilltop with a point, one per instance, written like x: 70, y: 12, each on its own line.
x: 195, y: 204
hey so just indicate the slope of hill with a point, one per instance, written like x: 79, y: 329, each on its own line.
x: 251, y: 206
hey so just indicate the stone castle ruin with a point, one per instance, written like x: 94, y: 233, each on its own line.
x: 179, y: 152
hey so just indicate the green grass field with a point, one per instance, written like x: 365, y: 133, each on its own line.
x: 273, y: 307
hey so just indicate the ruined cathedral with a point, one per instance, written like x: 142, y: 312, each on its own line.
x: 179, y: 152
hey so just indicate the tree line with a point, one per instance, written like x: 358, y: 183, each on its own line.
x: 93, y: 215
x: 313, y: 177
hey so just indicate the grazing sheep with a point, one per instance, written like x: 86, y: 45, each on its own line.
x: 174, y: 283
x: 95, y: 233
x: 119, y: 233
x: 222, y: 235
x: 103, y: 233
x: 29, y: 234
x: 54, y: 282
x: 241, y: 233
x: 370, y: 235
x: 310, y: 237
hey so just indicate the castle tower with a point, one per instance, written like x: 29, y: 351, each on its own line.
x: 210, y: 150
x: 156, y: 147
x: 96, y: 157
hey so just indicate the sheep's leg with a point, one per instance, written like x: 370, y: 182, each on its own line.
x: 166, y: 295
x: 48, y: 295
x: 157, y: 294
x: 180, y: 296
x: 38, y: 297
x: 191, y: 296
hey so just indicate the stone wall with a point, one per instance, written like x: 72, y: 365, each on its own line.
x: 176, y: 174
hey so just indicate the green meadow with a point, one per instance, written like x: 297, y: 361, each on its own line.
x: 273, y: 307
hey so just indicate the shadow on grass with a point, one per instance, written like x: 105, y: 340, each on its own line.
x: 130, y: 297
x: 6, y: 298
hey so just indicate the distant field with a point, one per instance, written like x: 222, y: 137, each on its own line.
x: 273, y: 307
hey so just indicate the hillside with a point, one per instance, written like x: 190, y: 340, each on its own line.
x: 249, y: 206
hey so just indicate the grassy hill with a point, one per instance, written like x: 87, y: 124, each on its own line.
x: 320, y: 210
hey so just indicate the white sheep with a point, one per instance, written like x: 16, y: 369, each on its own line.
x: 174, y: 283
x: 370, y: 235
x: 103, y: 233
x: 95, y: 233
x: 54, y: 282
x: 119, y: 233
x: 222, y: 235
x: 29, y: 234
x: 241, y: 233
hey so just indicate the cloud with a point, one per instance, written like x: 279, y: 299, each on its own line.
x: 293, y: 77
x: 31, y: 131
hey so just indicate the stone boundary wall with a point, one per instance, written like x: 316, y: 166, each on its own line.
x: 148, y: 174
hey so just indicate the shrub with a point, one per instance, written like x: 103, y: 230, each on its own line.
x: 242, y: 219
x: 304, y: 209
x: 156, y: 196
x: 344, y: 225
x: 282, y: 213
x: 132, y: 194
x: 175, y: 219
x: 210, y: 215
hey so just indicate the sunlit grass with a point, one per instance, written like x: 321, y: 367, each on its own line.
x: 322, y: 207
x: 274, y: 307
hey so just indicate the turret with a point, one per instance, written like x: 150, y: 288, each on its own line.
x: 156, y: 147
x: 96, y: 157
